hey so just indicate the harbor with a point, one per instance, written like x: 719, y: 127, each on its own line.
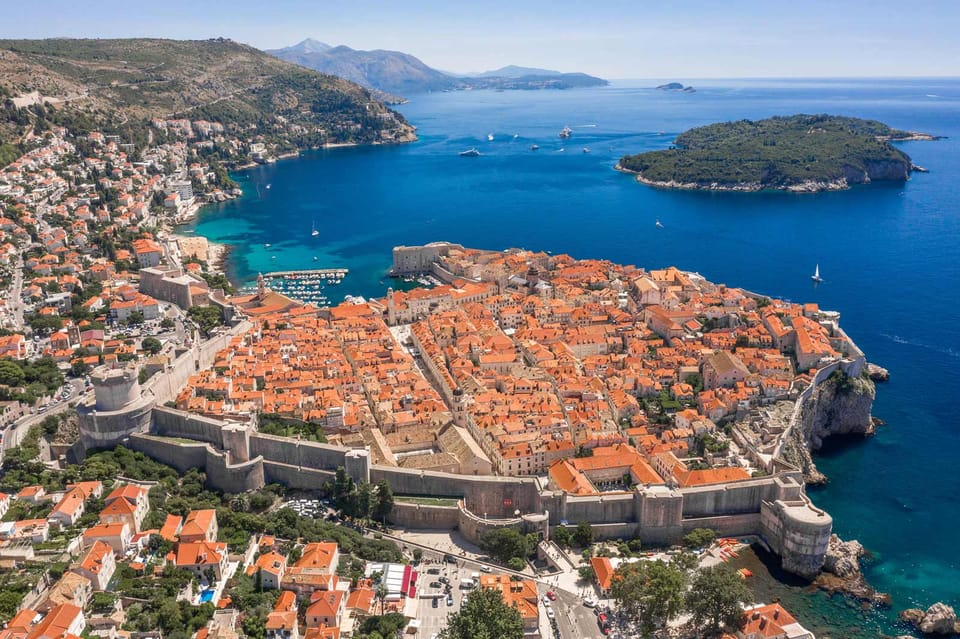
x: 309, y: 286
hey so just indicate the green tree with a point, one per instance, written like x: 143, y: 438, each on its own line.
x: 206, y: 317
x: 10, y: 373
x: 699, y: 537
x: 561, y: 535
x: 484, y: 615
x: 166, y: 323
x: 505, y: 544
x: 583, y: 534
x: 383, y: 502
x: 716, y: 599
x: 649, y: 591
x: 152, y: 345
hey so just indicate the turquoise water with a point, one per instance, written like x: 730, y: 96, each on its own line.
x: 207, y: 595
x: 889, y: 254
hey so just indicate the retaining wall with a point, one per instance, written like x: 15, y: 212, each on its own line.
x: 424, y: 517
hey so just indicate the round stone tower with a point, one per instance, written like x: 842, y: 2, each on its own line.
x: 119, y: 408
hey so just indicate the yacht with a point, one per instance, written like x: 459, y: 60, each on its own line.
x: 566, y: 132
x: 269, y: 185
x: 313, y: 229
x: 489, y: 137
x: 534, y: 147
x: 816, y: 275
x: 266, y: 246
x: 471, y: 153
x: 586, y: 149
x: 659, y: 225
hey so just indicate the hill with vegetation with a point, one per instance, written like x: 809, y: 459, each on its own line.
x: 119, y: 85
x: 395, y: 73
x: 801, y: 153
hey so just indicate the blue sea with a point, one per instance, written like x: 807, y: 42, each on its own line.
x: 889, y: 254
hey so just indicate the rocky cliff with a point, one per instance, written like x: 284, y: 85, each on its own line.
x: 838, y: 406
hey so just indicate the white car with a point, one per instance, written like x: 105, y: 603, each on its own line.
x: 589, y: 603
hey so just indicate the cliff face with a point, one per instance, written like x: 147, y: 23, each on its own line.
x: 839, y: 406
x: 877, y: 170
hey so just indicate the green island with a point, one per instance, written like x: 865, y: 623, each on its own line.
x: 798, y: 153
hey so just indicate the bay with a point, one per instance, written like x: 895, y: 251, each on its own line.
x: 889, y: 253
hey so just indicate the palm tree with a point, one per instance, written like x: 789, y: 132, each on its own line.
x: 381, y: 594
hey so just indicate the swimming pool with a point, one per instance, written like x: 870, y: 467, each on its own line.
x: 206, y: 596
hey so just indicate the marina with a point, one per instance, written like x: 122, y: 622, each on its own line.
x: 309, y: 286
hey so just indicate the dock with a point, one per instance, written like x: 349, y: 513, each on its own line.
x: 318, y: 272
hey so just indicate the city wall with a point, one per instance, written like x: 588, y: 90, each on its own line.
x: 424, y: 517
x: 237, y: 458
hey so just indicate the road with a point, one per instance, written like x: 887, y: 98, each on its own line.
x: 574, y: 620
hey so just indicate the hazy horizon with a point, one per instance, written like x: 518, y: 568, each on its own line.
x: 697, y: 39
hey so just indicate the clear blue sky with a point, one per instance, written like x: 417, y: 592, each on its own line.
x: 611, y: 38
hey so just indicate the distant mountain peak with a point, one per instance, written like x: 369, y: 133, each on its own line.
x: 398, y: 73
x: 514, y: 71
x: 308, y: 45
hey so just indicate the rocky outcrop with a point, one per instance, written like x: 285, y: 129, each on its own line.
x: 877, y: 373
x: 939, y: 619
x: 839, y: 405
x: 841, y: 572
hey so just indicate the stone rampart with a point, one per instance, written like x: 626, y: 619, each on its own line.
x: 496, y: 496
x: 296, y: 476
x: 727, y: 499
x: 424, y: 517
x: 106, y: 429
x: 169, y: 422
x: 181, y: 455
x: 233, y: 478
x: 295, y: 452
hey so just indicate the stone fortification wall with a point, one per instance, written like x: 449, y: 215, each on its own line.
x: 774, y: 507
x: 296, y: 476
x: 106, y: 429
x: 180, y: 455
x: 728, y: 499
x: 295, y: 452
x: 221, y: 473
x: 233, y: 477
x: 496, y: 496
x: 169, y: 422
x: 424, y: 517
x: 165, y: 387
x: 798, y: 532
x: 620, y: 507
x: 727, y: 525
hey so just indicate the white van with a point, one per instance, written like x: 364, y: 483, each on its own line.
x: 468, y: 584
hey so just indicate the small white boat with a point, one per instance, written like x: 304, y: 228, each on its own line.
x: 516, y: 135
x: 269, y: 185
x: 586, y: 149
x: 566, y: 132
x: 266, y: 246
x: 659, y: 225
x: 489, y: 137
x: 534, y: 147
x: 313, y: 229
x: 816, y: 275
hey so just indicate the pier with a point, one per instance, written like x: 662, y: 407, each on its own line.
x: 318, y: 272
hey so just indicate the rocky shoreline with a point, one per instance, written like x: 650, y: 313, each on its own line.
x: 810, y: 186
x: 841, y: 573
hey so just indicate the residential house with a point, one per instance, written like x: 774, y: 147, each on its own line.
x: 271, y: 567
x: 117, y: 536
x: 128, y: 504
x: 200, y: 525
x: 71, y: 588
x: 771, y: 621
x: 69, y: 509
x: 97, y: 565
x: 201, y: 556
x: 326, y: 608
x: 315, y: 570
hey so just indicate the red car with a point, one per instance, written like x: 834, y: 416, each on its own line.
x: 603, y: 623
x: 551, y: 595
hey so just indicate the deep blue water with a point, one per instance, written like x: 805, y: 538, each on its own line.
x: 889, y: 254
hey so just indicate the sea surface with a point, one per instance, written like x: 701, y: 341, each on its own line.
x: 889, y: 253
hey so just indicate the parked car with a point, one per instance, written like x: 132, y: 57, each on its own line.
x: 552, y: 595
x: 449, y: 601
x: 436, y: 602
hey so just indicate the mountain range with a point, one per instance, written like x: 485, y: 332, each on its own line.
x: 122, y: 84
x: 396, y: 73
